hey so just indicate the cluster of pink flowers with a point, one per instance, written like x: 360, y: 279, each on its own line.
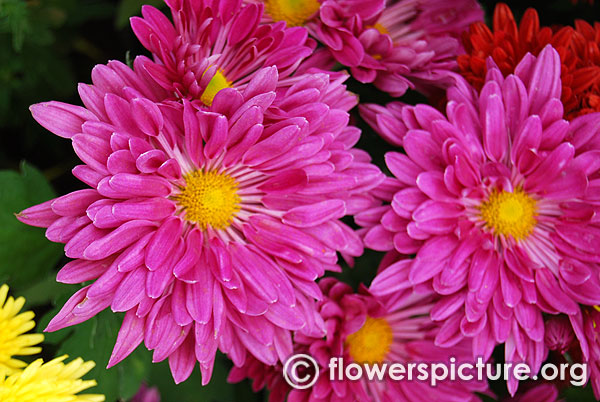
x: 220, y: 170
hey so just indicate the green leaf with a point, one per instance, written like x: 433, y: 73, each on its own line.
x: 45, y: 290
x: 57, y: 299
x: 129, y: 8
x: 25, y: 253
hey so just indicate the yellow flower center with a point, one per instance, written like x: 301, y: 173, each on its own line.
x: 293, y: 12
x: 217, y: 82
x: 382, y: 30
x: 371, y: 343
x: 209, y: 198
x: 510, y: 213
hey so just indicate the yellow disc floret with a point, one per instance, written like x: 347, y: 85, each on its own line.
x: 371, y: 343
x: 209, y: 199
x: 293, y: 12
x: 51, y: 381
x: 378, y: 26
x: 13, y: 338
x: 509, y: 213
x: 217, y: 82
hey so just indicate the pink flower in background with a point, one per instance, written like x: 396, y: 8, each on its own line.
x: 368, y: 330
x: 146, y: 394
x: 580, y: 339
x: 263, y: 376
x: 335, y: 23
x: 212, y: 45
x: 207, y: 227
x: 558, y: 334
x: 491, y: 201
x: 401, y: 44
x: 414, y: 44
x: 544, y: 392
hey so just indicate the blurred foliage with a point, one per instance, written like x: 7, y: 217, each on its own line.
x: 36, y: 40
x: 46, y: 47
x: 127, y: 8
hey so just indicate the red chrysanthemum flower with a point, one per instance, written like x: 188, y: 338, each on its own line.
x: 578, y: 49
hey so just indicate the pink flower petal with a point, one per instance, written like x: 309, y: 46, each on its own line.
x: 118, y: 239
x: 130, y: 336
x: 163, y: 241
x: 40, y: 215
x: 315, y: 214
x: 60, y: 118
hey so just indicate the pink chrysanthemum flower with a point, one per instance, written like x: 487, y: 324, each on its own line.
x: 207, y: 227
x: 212, y: 45
x: 368, y: 330
x: 401, y: 44
x: 490, y: 199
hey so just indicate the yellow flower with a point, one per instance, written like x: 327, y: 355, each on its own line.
x: 49, y: 382
x: 13, y: 340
